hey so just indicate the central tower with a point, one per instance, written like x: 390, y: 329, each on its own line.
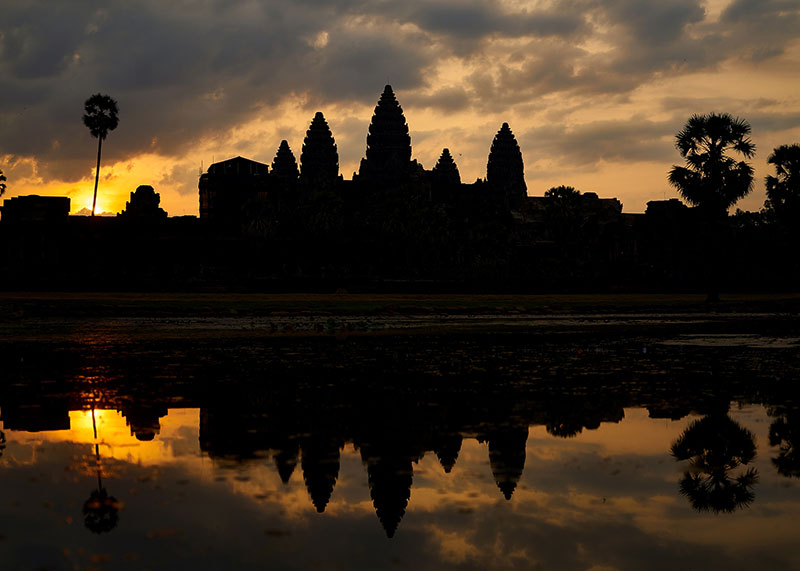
x: 388, y: 141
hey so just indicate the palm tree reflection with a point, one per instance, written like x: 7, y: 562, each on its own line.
x: 715, y: 446
x: 784, y: 432
x: 100, y: 511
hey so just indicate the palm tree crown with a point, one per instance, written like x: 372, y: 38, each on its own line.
x: 783, y: 190
x: 711, y: 179
x: 101, y: 115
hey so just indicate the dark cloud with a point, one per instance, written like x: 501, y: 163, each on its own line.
x: 355, y: 64
x: 476, y: 19
x: 182, y: 179
x: 762, y: 27
x: 179, y: 72
x: 760, y: 10
x: 762, y: 121
x: 642, y: 42
x: 449, y: 99
x: 188, y: 70
x: 637, y: 139
x: 653, y: 23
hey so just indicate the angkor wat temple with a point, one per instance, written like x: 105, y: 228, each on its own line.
x: 394, y: 225
x: 231, y: 189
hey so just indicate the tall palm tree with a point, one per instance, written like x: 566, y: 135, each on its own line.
x: 100, y: 118
x: 783, y: 190
x: 712, y: 180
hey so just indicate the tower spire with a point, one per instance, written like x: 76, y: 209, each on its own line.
x: 505, y: 171
x: 388, y: 142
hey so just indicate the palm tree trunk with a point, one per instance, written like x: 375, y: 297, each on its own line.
x: 97, y: 172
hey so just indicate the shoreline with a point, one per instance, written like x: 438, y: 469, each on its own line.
x: 16, y: 305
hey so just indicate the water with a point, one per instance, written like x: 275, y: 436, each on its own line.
x: 240, y: 446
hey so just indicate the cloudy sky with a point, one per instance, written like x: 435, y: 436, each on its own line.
x: 594, y: 90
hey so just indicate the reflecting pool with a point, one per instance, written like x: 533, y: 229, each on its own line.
x: 572, y: 447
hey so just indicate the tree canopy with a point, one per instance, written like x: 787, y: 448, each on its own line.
x: 101, y: 115
x: 711, y: 179
x: 783, y: 190
x: 562, y: 192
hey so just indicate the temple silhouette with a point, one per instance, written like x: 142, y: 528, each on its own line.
x: 394, y: 225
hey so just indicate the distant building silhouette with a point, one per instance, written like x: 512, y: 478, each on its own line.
x: 228, y: 185
x: 144, y: 205
x: 34, y: 208
x: 666, y: 208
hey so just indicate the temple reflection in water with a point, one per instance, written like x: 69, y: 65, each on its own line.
x: 300, y: 419
x: 564, y: 450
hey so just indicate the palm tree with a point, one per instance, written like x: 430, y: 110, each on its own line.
x: 712, y: 180
x: 715, y: 446
x: 2, y: 183
x: 100, y: 511
x: 784, y: 433
x: 100, y: 118
x: 783, y: 190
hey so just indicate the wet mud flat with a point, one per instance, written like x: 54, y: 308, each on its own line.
x: 430, y: 347
x: 44, y: 315
x: 392, y: 343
